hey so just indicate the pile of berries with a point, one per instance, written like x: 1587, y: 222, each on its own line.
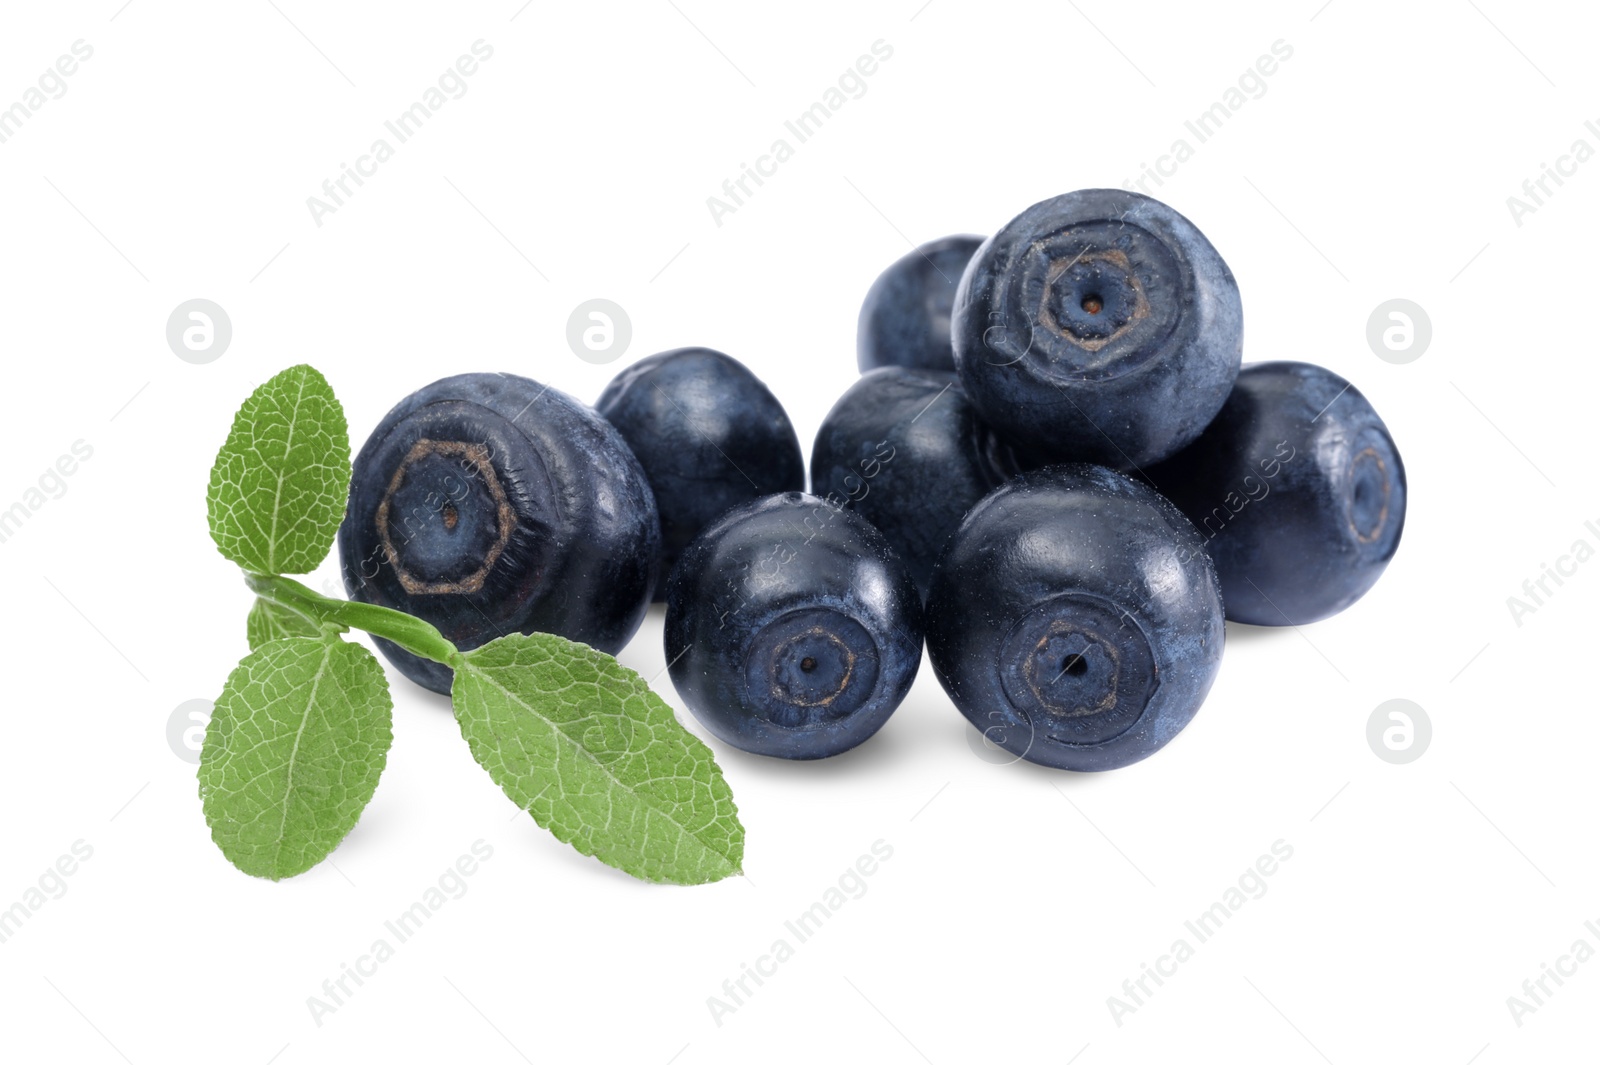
x: 1053, y: 472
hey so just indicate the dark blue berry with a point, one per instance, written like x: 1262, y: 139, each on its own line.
x: 487, y: 504
x: 905, y: 449
x: 905, y: 319
x: 1299, y: 490
x: 1099, y: 326
x: 709, y: 435
x: 1075, y: 619
x: 792, y: 628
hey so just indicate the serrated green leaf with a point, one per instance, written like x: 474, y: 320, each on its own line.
x: 269, y: 621
x: 277, y: 490
x: 582, y: 743
x: 296, y: 743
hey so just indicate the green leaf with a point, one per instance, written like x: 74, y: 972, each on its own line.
x: 277, y: 490
x: 269, y: 621
x: 296, y: 743
x: 582, y: 743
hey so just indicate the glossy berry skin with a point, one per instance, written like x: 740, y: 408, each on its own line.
x: 792, y: 629
x: 488, y: 504
x: 709, y: 435
x: 1299, y: 490
x: 1099, y: 326
x: 906, y: 450
x: 1075, y: 619
x: 905, y: 319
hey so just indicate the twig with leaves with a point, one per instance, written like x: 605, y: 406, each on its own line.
x: 302, y: 729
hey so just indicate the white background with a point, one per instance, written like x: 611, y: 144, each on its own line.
x: 1376, y: 165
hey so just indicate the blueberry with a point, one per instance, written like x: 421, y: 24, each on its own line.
x: 905, y: 449
x: 905, y: 319
x: 1299, y: 490
x: 792, y: 629
x: 709, y: 435
x: 1099, y: 326
x: 488, y: 504
x: 1075, y: 619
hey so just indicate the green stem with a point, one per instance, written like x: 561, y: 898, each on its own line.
x: 413, y: 634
